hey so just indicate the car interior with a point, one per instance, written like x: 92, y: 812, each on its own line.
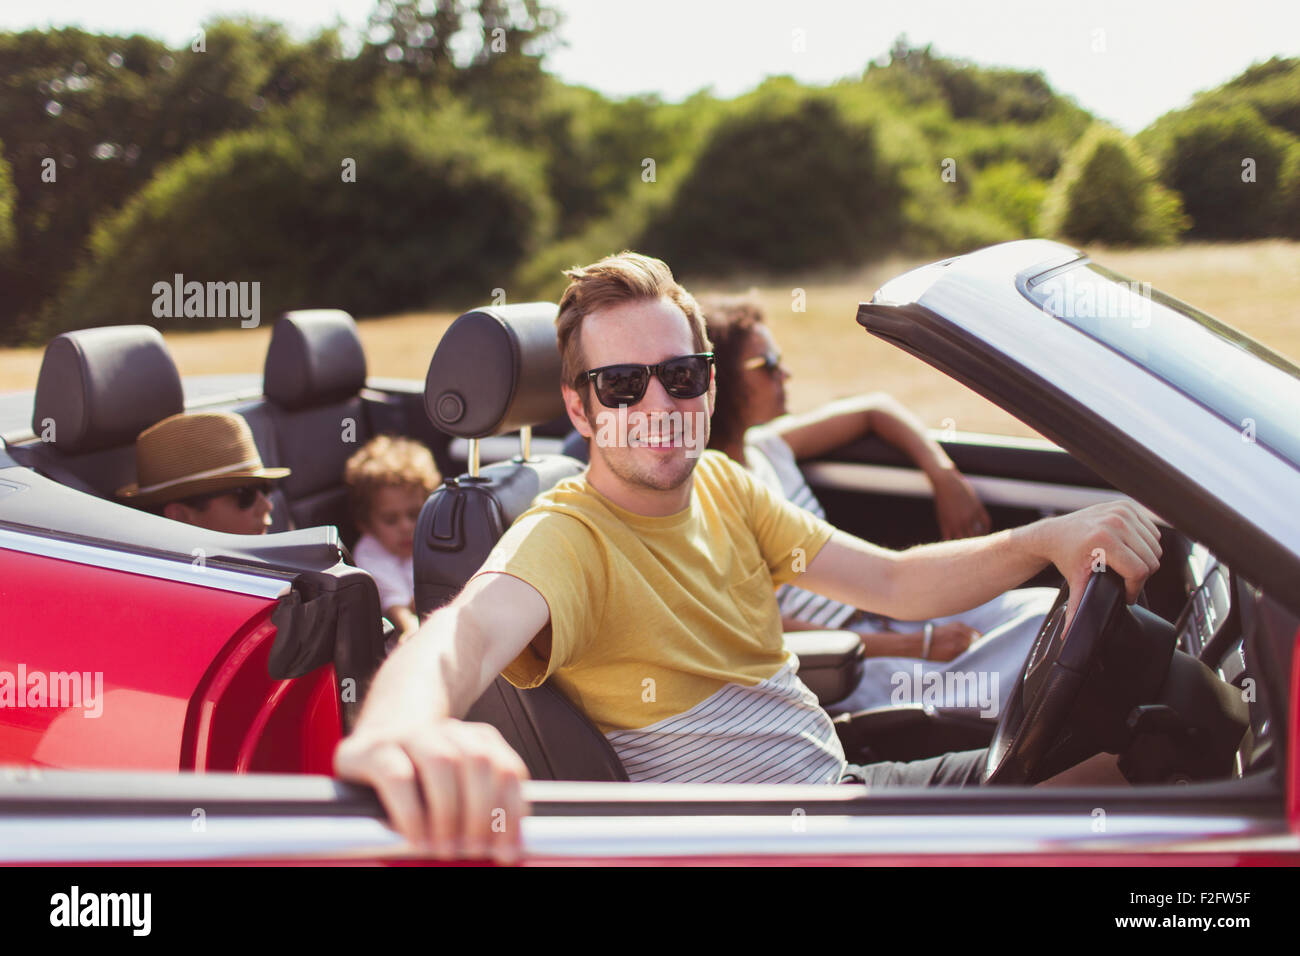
x: 1214, y: 650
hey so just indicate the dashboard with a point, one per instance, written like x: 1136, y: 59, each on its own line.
x: 1210, y: 630
x: 1202, y: 626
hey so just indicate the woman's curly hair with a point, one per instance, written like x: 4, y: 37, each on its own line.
x: 730, y: 322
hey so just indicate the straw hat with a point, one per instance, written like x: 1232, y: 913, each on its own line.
x: 194, y: 454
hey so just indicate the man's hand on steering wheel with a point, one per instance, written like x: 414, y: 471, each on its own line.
x: 1117, y: 535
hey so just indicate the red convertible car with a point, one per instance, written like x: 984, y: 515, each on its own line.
x: 170, y: 694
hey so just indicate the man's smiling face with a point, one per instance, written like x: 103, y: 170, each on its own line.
x: 642, y: 451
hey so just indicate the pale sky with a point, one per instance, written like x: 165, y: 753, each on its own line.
x: 1128, y: 61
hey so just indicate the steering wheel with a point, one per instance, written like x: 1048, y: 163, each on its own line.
x: 1050, y: 683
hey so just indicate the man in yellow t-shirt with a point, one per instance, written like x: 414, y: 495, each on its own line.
x: 645, y: 589
x: 665, y: 631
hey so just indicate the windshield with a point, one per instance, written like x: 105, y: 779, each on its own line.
x: 1232, y: 375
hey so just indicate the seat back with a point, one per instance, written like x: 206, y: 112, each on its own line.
x: 96, y: 391
x: 315, y: 371
x: 258, y: 416
x: 462, y: 521
x: 497, y: 370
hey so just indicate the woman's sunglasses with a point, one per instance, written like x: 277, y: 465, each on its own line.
x: 686, y: 376
x: 769, y: 362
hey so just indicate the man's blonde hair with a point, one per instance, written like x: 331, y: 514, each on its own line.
x: 387, y: 462
x: 626, y: 277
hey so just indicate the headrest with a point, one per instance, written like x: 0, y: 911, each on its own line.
x: 315, y: 358
x: 496, y: 370
x: 99, y: 388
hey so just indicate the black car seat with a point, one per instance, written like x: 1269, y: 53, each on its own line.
x: 315, y: 371
x: 257, y: 414
x: 497, y: 370
x: 96, y: 391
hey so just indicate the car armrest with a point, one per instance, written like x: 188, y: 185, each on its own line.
x: 911, y: 732
x: 830, y: 662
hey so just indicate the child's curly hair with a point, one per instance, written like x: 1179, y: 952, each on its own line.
x: 387, y: 462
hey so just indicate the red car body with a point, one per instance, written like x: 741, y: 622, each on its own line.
x: 185, y: 668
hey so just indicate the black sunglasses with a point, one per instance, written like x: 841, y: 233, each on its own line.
x: 245, y: 495
x: 769, y: 362
x: 686, y: 376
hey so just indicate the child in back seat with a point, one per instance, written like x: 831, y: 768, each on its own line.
x: 388, y: 481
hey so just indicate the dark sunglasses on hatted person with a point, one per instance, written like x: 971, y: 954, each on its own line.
x: 685, y: 376
x: 769, y: 362
x: 245, y: 495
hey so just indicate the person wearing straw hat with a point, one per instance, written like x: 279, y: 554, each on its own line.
x: 203, y: 468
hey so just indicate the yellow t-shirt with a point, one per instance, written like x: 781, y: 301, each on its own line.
x: 665, y: 630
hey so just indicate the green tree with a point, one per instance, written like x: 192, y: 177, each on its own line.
x: 1288, y: 210
x: 87, y: 120
x: 488, y: 52
x: 7, y: 195
x: 968, y: 91
x: 1227, y: 164
x: 789, y: 184
x: 1272, y: 88
x: 1107, y: 191
x: 405, y: 210
x: 1010, y: 191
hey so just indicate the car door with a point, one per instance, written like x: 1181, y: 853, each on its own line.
x: 128, y: 641
x: 97, y: 818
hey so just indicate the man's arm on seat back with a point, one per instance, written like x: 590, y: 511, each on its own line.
x: 443, y: 780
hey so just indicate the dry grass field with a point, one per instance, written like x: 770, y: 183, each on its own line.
x: 1254, y: 286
